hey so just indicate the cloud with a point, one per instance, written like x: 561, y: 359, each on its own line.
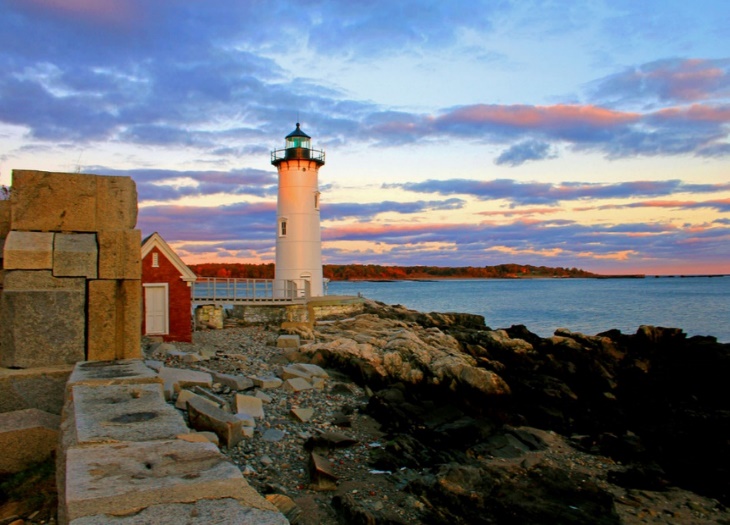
x: 525, y: 151
x: 526, y: 193
x: 170, y: 185
x: 675, y: 80
x: 361, y: 212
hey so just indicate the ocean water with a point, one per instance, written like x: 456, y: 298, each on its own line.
x: 698, y: 305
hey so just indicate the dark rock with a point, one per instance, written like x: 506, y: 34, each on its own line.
x: 354, y: 513
x: 491, y: 494
x: 329, y: 441
x: 321, y: 473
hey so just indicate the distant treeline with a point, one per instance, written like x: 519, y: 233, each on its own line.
x: 359, y: 272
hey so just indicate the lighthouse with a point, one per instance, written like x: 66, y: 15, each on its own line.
x: 298, y: 238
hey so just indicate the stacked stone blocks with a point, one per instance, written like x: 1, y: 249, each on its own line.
x: 72, y: 272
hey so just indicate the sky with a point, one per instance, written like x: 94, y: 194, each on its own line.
x: 590, y: 133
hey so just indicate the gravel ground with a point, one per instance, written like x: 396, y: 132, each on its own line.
x: 281, y: 467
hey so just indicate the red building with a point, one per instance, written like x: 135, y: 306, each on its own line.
x: 168, y: 287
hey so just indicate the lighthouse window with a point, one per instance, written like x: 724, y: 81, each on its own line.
x: 316, y: 200
x: 282, y: 229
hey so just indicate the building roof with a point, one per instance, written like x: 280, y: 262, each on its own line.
x: 156, y: 241
x: 297, y: 133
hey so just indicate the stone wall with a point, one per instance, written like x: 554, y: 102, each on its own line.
x: 72, y: 275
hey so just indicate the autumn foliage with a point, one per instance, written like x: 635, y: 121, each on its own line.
x: 359, y: 272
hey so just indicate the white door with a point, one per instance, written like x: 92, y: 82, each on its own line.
x: 156, y: 315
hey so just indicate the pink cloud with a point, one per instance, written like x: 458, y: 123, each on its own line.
x: 523, y: 116
x: 691, y: 79
x: 105, y: 11
x: 696, y: 113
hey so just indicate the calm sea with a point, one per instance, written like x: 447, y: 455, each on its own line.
x: 698, y: 305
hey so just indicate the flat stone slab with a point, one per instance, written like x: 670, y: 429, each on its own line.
x: 236, y: 382
x: 124, y: 478
x: 250, y: 405
x: 124, y: 413
x: 124, y: 371
x: 297, y: 384
x: 224, y: 511
x: 180, y: 378
x: 26, y: 437
x: 266, y: 382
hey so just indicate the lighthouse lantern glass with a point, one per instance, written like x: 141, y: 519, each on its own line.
x: 297, y: 142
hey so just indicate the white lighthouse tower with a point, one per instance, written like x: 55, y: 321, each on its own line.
x: 298, y: 238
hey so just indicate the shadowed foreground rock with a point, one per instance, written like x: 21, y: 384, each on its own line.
x: 451, y: 393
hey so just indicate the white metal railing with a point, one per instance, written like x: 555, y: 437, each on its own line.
x: 229, y: 290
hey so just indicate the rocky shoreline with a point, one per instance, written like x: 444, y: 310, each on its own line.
x: 435, y: 418
x: 400, y: 417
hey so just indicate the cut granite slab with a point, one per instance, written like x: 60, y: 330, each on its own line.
x: 123, y: 371
x: 124, y: 413
x: 125, y: 478
x: 224, y: 511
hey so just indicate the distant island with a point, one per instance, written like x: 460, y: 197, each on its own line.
x: 376, y: 272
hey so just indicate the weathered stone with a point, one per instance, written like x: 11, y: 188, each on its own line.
x: 4, y: 218
x: 123, y: 413
x: 287, y: 341
x: 203, y: 416
x: 26, y: 437
x: 43, y: 320
x: 119, y: 254
x: 114, y: 320
x: 266, y: 398
x: 72, y: 202
x: 330, y: 440
x: 289, y: 372
x: 297, y: 384
x: 182, y: 399
x: 250, y: 405
x: 248, y: 420
x: 28, y: 251
x: 122, y: 478
x: 321, y: 473
x: 266, y: 382
x: 116, y: 203
x: 286, y: 506
x: 209, y: 316
x: 154, y: 364
x: 218, y: 400
x: 312, y: 370
x: 40, y: 388
x: 100, y: 373
x: 235, y: 382
x: 75, y: 255
x: 181, y: 378
x: 302, y: 414
x: 225, y: 511
x: 273, y: 435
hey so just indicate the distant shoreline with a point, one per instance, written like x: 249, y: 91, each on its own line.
x: 436, y: 279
